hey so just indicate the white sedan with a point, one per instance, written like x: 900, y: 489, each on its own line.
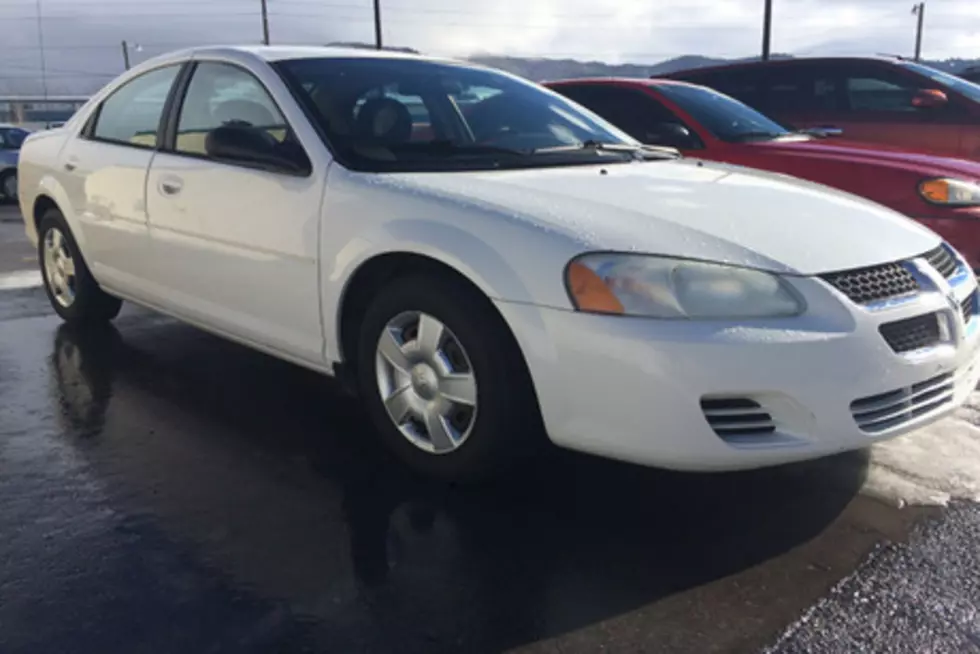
x: 486, y: 262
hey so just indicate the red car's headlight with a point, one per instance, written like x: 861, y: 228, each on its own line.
x: 950, y: 192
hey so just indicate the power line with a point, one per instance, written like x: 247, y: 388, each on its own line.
x: 193, y: 17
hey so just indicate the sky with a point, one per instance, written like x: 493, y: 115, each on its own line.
x: 81, y: 38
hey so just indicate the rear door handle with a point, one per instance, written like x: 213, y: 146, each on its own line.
x: 171, y: 186
x: 70, y: 166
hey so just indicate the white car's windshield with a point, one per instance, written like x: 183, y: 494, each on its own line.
x: 416, y: 115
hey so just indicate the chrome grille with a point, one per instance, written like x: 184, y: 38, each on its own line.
x: 942, y: 260
x: 912, y: 333
x: 879, y: 413
x: 969, y: 307
x: 737, y: 419
x: 873, y: 284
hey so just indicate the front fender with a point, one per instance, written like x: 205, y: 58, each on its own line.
x: 456, y: 248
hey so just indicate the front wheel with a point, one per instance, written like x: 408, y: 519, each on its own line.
x: 444, y: 380
x: 73, y: 292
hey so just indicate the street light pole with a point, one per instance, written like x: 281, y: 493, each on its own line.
x: 767, y: 30
x: 920, y: 11
x: 125, y: 51
x: 377, y: 24
x: 265, y: 23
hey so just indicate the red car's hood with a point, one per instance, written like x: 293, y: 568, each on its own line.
x: 871, y: 153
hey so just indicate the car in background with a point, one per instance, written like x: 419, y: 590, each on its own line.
x: 941, y: 192
x: 876, y: 100
x: 11, y: 139
x: 516, y: 270
x: 971, y: 74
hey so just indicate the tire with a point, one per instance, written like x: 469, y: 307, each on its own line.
x: 504, y: 424
x: 75, y: 297
x: 8, y: 186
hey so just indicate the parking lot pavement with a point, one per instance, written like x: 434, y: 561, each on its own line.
x: 163, y: 490
x: 15, y: 251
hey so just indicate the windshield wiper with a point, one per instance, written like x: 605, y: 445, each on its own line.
x: 637, y: 151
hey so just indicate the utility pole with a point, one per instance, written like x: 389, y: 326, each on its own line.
x: 920, y: 11
x: 40, y: 45
x: 377, y: 24
x: 265, y: 23
x: 125, y: 51
x: 767, y: 30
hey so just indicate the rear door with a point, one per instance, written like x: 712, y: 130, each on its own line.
x: 234, y: 241
x: 104, y: 174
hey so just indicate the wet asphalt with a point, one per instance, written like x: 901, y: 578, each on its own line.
x: 162, y: 490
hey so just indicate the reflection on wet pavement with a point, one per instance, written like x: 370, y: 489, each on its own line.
x: 166, y: 490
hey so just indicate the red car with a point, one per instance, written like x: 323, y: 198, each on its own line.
x: 941, y: 192
x: 875, y: 100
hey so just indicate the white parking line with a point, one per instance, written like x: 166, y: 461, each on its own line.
x: 20, y: 279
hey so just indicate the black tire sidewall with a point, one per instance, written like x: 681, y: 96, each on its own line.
x: 507, y: 416
x: 3, y: 183
x: 91, y: 302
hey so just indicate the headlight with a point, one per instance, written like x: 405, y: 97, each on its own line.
x: 660, y: 287
x: 950, y: 192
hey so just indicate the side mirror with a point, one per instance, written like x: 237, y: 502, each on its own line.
x: 929, y: 99
x: 673, y: 135
x: 253, y: 145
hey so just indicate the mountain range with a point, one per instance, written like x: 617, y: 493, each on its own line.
x: 539, y: 69
x: 85, y: 75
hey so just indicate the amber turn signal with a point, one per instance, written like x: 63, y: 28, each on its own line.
x: 935, y: 190
x: 589, y: 292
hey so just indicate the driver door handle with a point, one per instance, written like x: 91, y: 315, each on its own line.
x: 171, y: 186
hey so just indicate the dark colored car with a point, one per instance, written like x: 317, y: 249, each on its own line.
x: 940, y: 192
x: 971, y: 74
x: 11, y: 138
x: 889, y: 101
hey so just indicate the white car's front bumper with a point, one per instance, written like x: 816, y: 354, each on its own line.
x: 641, y: 390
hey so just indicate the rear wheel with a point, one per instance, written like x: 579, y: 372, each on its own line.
x: 8, y: 185
x: 72, y: 290
x: 444, y: 381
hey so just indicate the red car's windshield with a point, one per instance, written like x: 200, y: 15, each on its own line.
x: 725, y: 117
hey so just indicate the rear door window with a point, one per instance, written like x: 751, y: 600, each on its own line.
x: 744, y: 85
x: 131, y: 115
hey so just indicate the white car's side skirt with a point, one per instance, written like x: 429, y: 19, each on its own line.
x: 322, y: 367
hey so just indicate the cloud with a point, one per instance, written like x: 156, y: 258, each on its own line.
x: 82, y: 37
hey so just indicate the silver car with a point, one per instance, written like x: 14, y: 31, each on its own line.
x: 11, y: 138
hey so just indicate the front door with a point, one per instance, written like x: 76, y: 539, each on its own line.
x: 873, y: 103
x: 234, y: 243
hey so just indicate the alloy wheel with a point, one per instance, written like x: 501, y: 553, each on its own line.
x: 59, y: 267
x: 426, y: 382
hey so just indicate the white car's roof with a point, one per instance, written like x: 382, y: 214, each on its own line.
x: 270, y: 53
x: 284, y: 52
x: 281, y: 52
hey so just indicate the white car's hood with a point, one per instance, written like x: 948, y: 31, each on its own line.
x: 694, y: 209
